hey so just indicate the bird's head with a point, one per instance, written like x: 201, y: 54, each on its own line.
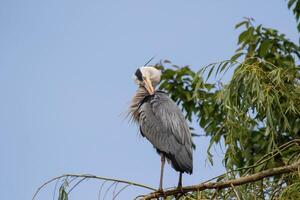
x: 147, y: 77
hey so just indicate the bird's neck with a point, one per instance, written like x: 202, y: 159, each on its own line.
x: 136, y: 100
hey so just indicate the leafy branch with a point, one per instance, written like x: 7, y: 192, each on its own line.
x: 88, y: 176
x: 230, y: 183
x: 220, y: 184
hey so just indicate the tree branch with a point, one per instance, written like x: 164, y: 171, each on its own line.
x: 226, y: 184
x: 88, y: 176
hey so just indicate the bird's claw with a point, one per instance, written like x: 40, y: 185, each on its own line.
x: 160, y: 190
x: 179, y: 187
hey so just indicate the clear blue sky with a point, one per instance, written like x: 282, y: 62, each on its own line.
x: 66, y: 81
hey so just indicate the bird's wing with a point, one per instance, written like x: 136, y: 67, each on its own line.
x: 163, y: 124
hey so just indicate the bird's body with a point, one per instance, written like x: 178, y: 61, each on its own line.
x: 163, y: 124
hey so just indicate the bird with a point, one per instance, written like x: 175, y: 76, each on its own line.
x: 162, y: 123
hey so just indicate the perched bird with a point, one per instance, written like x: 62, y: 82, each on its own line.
x: 161, y: 121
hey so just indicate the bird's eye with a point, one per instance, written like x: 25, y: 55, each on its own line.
x: 139, y: 75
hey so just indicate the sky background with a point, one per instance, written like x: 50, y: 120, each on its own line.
x: 66, y: 72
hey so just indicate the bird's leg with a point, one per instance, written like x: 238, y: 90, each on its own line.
x: 161, y: 172
x: 179, y: 187
x: 180, y: 181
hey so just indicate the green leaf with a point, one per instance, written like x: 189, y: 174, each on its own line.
x: 63, y: 195
x: 209, y: 155
x: 209, y: 73
x: 264, y: 48
x: 197, y: 86
x: 241, y: 24
x: 244, y: 36
x: 236, y: 56
x: 224, y: 66
x: 290, y: 3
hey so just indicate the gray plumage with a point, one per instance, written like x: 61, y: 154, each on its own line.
x: 164, y: 125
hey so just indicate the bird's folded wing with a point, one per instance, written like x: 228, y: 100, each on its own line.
x: 164, y: 125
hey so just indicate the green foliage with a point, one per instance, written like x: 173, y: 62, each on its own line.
x: 294, y: 5
x: 291, y: 192
x: 256, y: 114
x: 63, y: 195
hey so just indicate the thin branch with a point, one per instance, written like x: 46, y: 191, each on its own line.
x: 107, y: 190
x: 114, y: 192
x: 102, y: 185
x: 90, y: 177
x: 119, y: 192
x: 273, y: 154
x: 229, y: 183
x: 55, y: 187
x: 236, y: 193
x: 260, y: 161
x: 76, y: 185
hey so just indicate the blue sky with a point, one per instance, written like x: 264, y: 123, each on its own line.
x: 66, y: 81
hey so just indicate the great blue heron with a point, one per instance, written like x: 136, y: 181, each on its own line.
x: 162, y: 123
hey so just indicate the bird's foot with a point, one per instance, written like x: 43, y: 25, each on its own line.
x: 179, y: 187
x: 160, y: 190
x: 180, y: 193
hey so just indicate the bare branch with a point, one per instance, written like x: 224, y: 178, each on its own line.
x: 226, y: 184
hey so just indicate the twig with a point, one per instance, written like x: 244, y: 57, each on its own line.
x: 260, y: 161
x: 55, y: 187
x: 273, y: 154
x: 114, y: 192
x: 229, y: 183
x: 91, y: 177
x: 123, y: 188
x: 107, y: 190
x: 138, y: 197
x: 236, y: 193
x: 76, y: 185
x: 99, y: 193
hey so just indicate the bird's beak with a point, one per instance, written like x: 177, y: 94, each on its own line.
x: 148, y: 86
